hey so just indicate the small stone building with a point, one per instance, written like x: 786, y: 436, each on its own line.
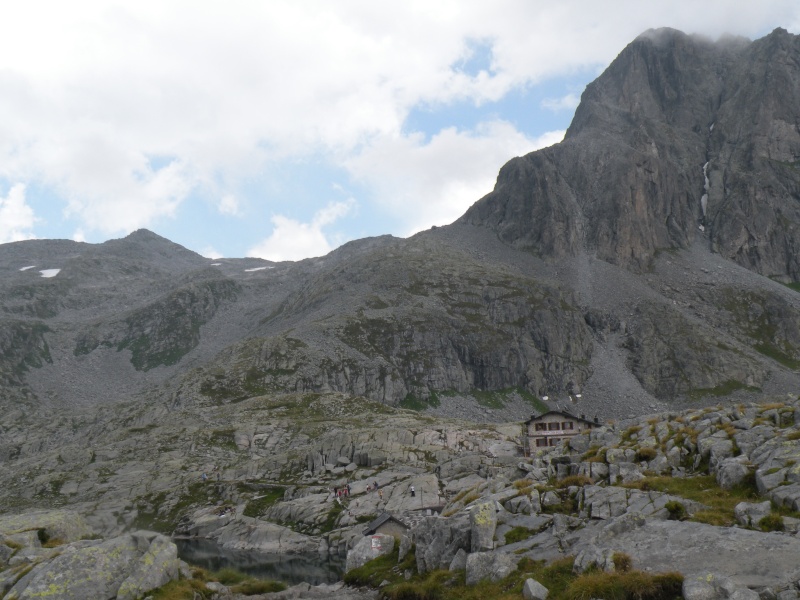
x: 554, y: 427
x: 387, y: 525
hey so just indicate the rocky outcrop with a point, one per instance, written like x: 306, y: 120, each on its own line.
x: 369, y: 548
x: 125, y: 567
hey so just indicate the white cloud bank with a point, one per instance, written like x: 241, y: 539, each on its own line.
x: 125, y: 109
x: 293, y: 240
x: 16, y: 217
x: 424, y: 183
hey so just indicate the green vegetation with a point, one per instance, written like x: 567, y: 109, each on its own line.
x: 194, y: 588
x: 412, y: 402
x: 723, y: 389
x: 646, y: 454
x: 574, y: 480
x: 676, y: 510
x: 258, y: 506
x: 557, y: 577
x: 772, y: 522
x: 757, y: 314
x: 622, y: 586
x: 517, y: 534
x: 704, y: 489
x: 223, y: 438
x: 333, y: 516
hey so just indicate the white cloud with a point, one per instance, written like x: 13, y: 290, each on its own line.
x: 425, y: 183
x: 568, y: 102
x: 90, y: 93
x: 293, y: 240
x: 78, y: 236
x: 210, y: 252
x: 228, y: 205
x: 16, y: 216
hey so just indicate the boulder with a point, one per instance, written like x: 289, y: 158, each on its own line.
x: 157, y: 566
x: 483, y: 522
x: 125, y: 567
x: 519, y: 505
x: 62, y: 525
x: 662, y: 545
x: 439, y: 540
x: 367, y: 548
x: 750, y: 513
x: 732, y: 472
x: 459, y: 562
x: 488, y: 565
x: 533, y: 590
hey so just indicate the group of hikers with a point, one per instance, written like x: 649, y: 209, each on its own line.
x: 344, y: 491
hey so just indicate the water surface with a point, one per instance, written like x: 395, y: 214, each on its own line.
x: 289, y: 568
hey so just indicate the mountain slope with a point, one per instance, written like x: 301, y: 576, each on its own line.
x: 604, y: 271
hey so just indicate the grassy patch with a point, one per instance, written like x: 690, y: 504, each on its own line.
x: 517, y: 534
x: 622, y: 586
x: 258, y: 506
x: 183, y: 589
x: 413, y: 402
x: 557, y: 577
x: 704, y: 489
x: 723, y: 389
x: 646, y: 454
x: 772, y: 522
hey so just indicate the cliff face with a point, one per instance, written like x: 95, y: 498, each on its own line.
x: 679, y: 133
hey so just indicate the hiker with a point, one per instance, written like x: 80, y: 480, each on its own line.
x: 380, y: 494
x: 413, y: 491
x: 375, y: 485
x: 348, y: 489
x: 205, y: 477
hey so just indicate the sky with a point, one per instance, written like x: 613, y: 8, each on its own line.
x: 283, y: 129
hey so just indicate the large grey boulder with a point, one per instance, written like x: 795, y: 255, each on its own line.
x: 488, y: 565
x: 368, y: 548
x: 713, y: 586
x: 483, y: 522
x: 533, y: 590
x: 750, y: 513
x: 769, y: 561
x: 126, y: 567
x: 732, y: 472
x: 63, y: 525
x: 439, y: 540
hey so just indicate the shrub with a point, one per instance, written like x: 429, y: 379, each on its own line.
x: 574, y: 480
x: 252, y: 587
x: 622, y: 586
x: 795, y: 435
x: 646, y: 454
x: 517, y: 534
x: 677, y: 511
x: 622, y: 562
x: 772, y: 522
x: 229, y: 576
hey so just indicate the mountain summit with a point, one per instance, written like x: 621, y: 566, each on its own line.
x: 678, y: 135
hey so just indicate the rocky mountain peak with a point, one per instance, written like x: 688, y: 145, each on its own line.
x: 679, y: 137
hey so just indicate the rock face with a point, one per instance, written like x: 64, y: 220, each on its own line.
x: 368, y: 548
x: 126, y: 567
x: 678, y: 132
